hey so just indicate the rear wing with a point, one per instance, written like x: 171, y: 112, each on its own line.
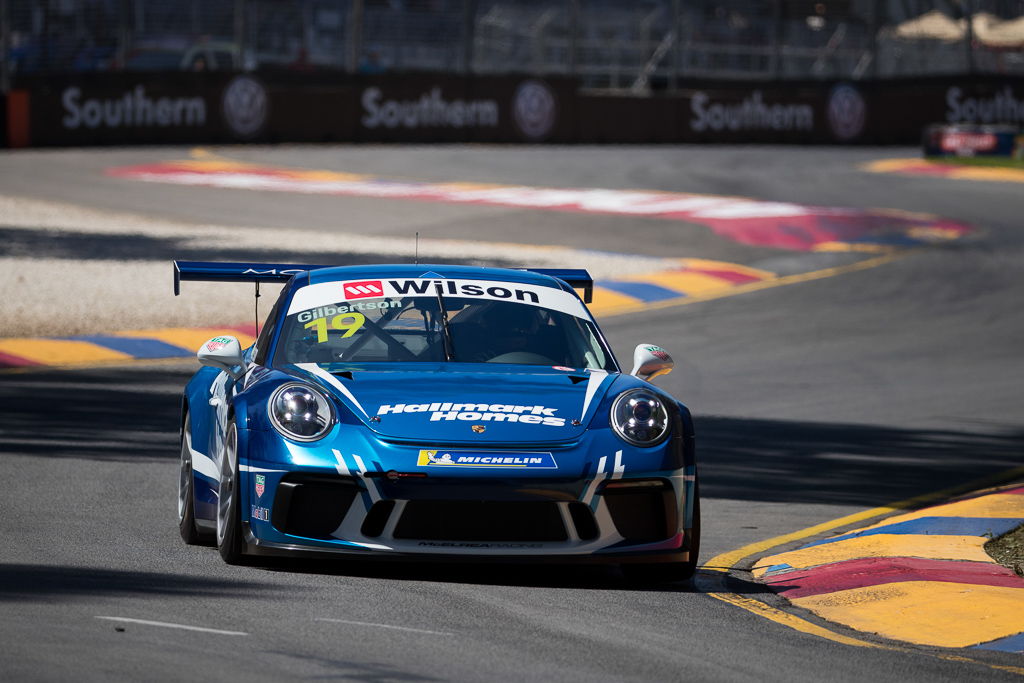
x: 577, y: 278
x: 211, y: 271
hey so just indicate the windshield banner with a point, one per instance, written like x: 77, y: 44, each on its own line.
x: 350, y: 293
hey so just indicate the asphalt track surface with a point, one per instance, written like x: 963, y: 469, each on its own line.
x: 812, y: 401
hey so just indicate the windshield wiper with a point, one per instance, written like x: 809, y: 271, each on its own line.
x: 449, y: 353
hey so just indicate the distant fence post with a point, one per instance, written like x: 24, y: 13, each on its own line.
x: 778, y: 38
x: 124, y: 32
x: 5, y: 47
x: 239, y: 30
x: 574, y: 30
x: 355, y: 36
x: 877, y: 21
x: 968, y: 6
x: 468, y: 34
x: 677, y: 29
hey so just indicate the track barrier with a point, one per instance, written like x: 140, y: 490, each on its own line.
x: 281, y: 106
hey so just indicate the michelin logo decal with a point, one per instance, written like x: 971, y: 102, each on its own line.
x: 479, y: 412
x: 543, y: 461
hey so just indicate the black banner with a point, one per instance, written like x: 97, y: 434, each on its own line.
x: 464, y: 109
x: 282, y: 106
x: 187, y: 108
x: 900, y: 111
x: 119, y: 109
x: 877, y: 112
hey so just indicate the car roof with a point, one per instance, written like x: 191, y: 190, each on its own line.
x: 427, y: 270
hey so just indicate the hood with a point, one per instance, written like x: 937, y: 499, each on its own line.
x: 443, y: 402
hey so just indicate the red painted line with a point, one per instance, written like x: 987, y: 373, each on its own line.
x: 8, y: 360
x: 928, y: 168
x: 1014, y: 492
x: 747, y: 221
x: 876, y: 571
x: 729, y: 275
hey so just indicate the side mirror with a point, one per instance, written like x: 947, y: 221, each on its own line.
x: 649, y: 361
x: 224, y: 353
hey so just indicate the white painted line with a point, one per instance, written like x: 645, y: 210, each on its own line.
x: 184, y: 627
x: 397, y: 628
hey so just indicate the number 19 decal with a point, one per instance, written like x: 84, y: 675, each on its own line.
x: 348, y: 323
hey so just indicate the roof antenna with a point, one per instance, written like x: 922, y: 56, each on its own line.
x: 416, y: 258
x: 257, y: 308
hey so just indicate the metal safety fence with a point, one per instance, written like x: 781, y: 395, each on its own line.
x: 637, y: 45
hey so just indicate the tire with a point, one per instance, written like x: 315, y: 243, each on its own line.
x: 670, y: 572
x: 229, y: 523
x: 186, y: 491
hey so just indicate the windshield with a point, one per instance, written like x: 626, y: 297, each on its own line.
x: 366, y: 329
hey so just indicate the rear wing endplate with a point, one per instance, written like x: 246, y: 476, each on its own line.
x: 577, y: 278
x: 210, y: 271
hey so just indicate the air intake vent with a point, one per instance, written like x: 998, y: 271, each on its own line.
x: 377, y: 518
x: 312, y: 505
x: 642, y: 515
x: 483, y: 521
x: 583, y: 520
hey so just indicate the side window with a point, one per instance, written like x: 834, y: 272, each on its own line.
x: 267, y: 331
x: 595, y: 356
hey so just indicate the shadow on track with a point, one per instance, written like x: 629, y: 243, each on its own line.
x: 864, y: 465
x: 575, y: 577
x: 579, y: 577
x: 34, y: 582
x: 98, y: 414
x: 85, y: 246
x: 346, y: 669
x: 570, y: 577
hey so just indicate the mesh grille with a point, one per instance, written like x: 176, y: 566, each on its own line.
x: 439, y: 520
x: 312, y: 506
x: 642, y: 516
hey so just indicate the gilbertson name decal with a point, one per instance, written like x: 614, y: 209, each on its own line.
x: 751, y: 114
x: 431, y: 110
x: 133, y: 109
x: 479, y: 412
x: 325, y: 311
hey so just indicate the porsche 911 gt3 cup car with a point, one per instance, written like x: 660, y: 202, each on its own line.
x: 434, y: 412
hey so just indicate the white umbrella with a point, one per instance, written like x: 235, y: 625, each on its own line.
x: 932, y: 25
x: 995, y: 32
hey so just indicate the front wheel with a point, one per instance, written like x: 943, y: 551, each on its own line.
x: 671, y: 572
x: 229, y: 523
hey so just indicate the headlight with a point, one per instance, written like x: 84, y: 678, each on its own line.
x: 639, y: 417
x: 300, y: 412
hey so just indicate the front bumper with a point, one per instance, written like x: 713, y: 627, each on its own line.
x: 589, y: 509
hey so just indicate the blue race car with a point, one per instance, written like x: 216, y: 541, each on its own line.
x: 434, y: 412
